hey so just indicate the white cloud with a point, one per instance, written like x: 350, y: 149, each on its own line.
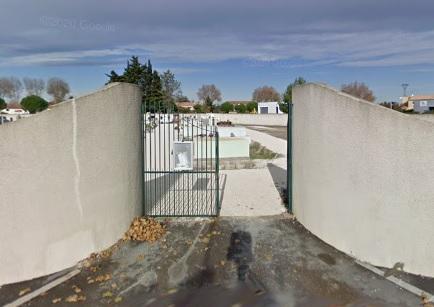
x: 351, y: 49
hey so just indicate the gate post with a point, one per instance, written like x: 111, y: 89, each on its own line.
x: 142, y: 153
x: 217, y: 171
x: 289, y: 158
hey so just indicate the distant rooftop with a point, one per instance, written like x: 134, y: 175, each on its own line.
x: 421, y: 97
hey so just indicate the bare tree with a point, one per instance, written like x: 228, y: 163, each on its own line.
x: 360, y: 90
x: 57, y: 88
x: 11, y: 88
x: 266, y: 93
x: 6, y: 88
x: 209, y: 92
x: 34, y: 86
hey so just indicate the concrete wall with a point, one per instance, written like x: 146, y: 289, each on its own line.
x: 254, y: 119
x: 70, y: 181
x: 428, y: 117
x: 364, y: 177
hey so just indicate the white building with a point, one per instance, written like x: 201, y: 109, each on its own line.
x: 271, y: 107
x: 12, y: 115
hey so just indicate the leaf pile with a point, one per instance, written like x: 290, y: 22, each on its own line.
x: 145, y: 229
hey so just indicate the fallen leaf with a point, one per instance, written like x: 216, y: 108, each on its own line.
x: 222, y: 263
x: 140, y: 257
x: 104, y: 277
x: 145, y: 229
x: 76, y: 289
x: 75, y: 298
x: 118, y: 299
x: 56, y: 300
x: 171, y: 291
x: 24, y: 291
x: 107, y: 294
x: 72, y: 299
x: 90, y: 281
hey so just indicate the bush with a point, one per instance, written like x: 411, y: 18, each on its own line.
x: 34, y: 104
x: 198, y: 108
x: 241, y: 108
x: 252, y: 106
x: 226, y: 107
x: 3, y: 104
x: 257, y: 151
x: 283, y: 107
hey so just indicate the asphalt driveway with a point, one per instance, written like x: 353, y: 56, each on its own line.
x: 257, y: 261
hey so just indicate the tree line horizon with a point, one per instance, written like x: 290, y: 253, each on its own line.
x: 161, y: 91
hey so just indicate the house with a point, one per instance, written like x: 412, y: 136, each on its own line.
x: 418, y: 103
x: 271, y: 107
x: 12, y: 114
x: 422, y: 103
x: 186, y: 105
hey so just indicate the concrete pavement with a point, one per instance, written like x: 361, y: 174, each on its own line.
x: 257, y: 192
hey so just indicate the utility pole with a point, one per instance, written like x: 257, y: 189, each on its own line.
x: 404, y: 87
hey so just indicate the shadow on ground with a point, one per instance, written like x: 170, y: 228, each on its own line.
x: 265, y: 261
x: 279, y: 176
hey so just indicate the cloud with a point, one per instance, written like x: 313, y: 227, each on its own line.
x: 277, y: 32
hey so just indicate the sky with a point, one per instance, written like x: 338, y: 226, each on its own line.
x: 237, y: 45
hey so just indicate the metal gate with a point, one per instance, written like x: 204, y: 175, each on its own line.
x: 289, y: 158
x: 181, y: 164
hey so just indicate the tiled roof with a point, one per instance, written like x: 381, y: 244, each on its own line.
x: 185, y: 104
x: 422, y: 97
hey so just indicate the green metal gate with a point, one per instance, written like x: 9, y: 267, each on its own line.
x: 289, y: 158
x: 181, y: 164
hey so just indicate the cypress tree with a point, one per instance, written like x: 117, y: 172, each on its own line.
x: 149, y: 81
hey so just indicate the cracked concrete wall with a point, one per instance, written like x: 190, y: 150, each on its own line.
x: 70, y: 181
x: 363, y: 178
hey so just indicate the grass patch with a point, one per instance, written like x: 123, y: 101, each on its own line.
x: 257, y: 151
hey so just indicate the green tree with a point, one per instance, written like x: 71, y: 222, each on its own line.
x: 287, y: 95
x: 252, y: 106
x: 241, y: 108
x: 199, y: 108
x: 149, y: 81
x: 34, y: 104
x: 209, y: 105
x: 171, y: 87
x: 226, y: 107
x: 3, y: 104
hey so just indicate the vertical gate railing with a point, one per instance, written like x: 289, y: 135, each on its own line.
x: 181, y: 164
x: 289, y: 158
